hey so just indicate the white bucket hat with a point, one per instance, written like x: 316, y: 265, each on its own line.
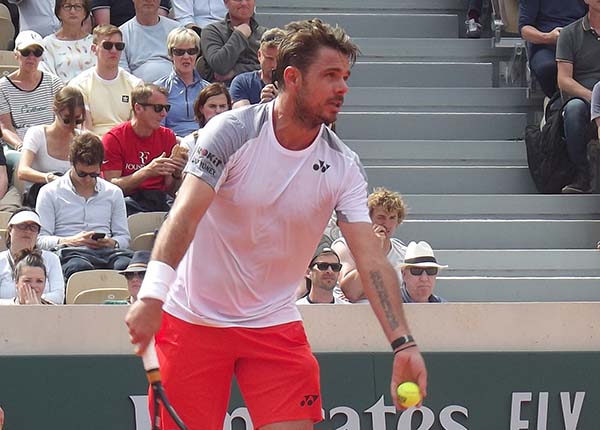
x: 420, y: 255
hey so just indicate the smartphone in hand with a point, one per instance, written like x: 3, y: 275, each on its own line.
x: 98, y: 236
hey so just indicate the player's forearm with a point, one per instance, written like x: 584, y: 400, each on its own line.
x: 381, y: 286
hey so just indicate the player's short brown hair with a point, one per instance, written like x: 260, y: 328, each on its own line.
x: 303, y: 40
x: 390, y: 201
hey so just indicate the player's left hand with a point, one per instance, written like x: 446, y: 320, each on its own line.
x: 408, y: 366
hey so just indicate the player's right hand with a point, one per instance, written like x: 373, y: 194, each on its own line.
x: 143, y: 320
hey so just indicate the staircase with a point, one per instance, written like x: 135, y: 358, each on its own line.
x: 429, y: 118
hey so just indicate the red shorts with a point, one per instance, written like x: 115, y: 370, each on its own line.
x: 275, y: 369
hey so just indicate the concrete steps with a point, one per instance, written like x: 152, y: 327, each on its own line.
x: 440, y: 152
x: 395, y: 6
x: 430, y: 126
x: 374, y: 24
x: 452, y: 179
x: 421, y: 74
x: 503, y: 206
x: 441, y: 99
x: 520, y: 262
x: 437, y: 50
x: 535, y: 289
x: 502, y: 234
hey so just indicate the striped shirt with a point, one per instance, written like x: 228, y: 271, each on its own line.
x: 29, y: 108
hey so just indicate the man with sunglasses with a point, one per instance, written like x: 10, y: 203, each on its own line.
x: 321, y: 277
x: 145, y: 34
x: 106, y: 88
x: 83, y: 216
x: 139, y: 153
x: 419, y: 273
x: 135, y: 272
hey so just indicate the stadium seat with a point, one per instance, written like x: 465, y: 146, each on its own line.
x: 145, y: 222
x: 4, y: 216
x: 93, y: 279
x: 8, y: 58
x: 7, y: 30
x: 98, y: 296
x: 143, y: 242
x: 6, y: 70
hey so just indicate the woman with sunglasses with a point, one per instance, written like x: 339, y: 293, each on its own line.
x: 184, y: 82
x: 22, y: 233
x: 26, y: 94
x: 45, y: 154
x: 69, y: 50
x: 212, y: 100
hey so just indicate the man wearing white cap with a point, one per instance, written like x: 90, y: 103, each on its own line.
x: 419, y: 273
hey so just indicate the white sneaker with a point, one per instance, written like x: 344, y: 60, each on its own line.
x: 473, y: 29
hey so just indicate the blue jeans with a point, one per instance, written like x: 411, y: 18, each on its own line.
x: 579, y: 130
x: 543, y: 65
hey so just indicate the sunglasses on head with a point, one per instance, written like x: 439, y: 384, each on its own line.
x: 130, y: 275
x: 418, y: 271
x: 26, y: 52
x: 92, y: 175
x: 109, y: 45
x: 335, y: 267
x: 157, y: 107
x: 178, y: 52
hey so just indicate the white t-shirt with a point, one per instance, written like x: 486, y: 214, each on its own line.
x: 35, y: 141
x: 336, y: 300
x: 253, y: 245
x: 395, y: 256
x: 37, y: 15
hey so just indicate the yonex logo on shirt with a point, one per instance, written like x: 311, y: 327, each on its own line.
x: 321, y: 165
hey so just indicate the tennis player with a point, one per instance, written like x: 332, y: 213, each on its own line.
x: 259, y: 190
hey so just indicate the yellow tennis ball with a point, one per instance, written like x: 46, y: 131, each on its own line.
x: 408, y: 394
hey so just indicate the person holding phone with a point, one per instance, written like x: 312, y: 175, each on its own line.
x: 83, y: 216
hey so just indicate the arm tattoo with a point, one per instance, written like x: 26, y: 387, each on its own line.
x: 377, y: 281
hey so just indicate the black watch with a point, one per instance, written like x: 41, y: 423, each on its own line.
x: 398, y: 342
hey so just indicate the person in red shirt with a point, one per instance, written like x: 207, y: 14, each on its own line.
x: 140, y: 156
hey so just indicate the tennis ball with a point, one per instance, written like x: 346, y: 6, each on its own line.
x: 408, y: 394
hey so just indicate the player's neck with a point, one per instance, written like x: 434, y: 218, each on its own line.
x: 291, y: 133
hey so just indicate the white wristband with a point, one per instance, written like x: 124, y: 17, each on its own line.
x: 159, y: 277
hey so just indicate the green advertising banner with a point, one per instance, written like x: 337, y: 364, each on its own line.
x: 473, y: 391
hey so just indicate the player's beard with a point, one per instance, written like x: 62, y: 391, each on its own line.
x: 307, y: 115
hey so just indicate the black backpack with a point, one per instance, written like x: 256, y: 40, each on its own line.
x: 547, y: 157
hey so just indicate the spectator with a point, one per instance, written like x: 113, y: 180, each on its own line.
x: 419, y: 273
x: 473, y: 26
x: 137, y: 153
x: 37, y: 15
x: 135, y: 272
x: 82, y: 215
x: 184, y: 82
x: 212, y: 100
x: 577, y: 51
x: 199, y: 12
x: 230, y: 46
x: 540, y: 23
x: 106, y: 88
x: 144, y: 35
x: 321, y: 277
x: 30, y: 279
x: 118, y: 12
x: 21, y: 234
x: 26, y: 95
x: 258, y: 86
x: 387, y: 212
x: 46, y: 147
x: 69, y: 51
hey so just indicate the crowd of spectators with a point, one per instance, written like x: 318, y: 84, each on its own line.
x: 108, y: 100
